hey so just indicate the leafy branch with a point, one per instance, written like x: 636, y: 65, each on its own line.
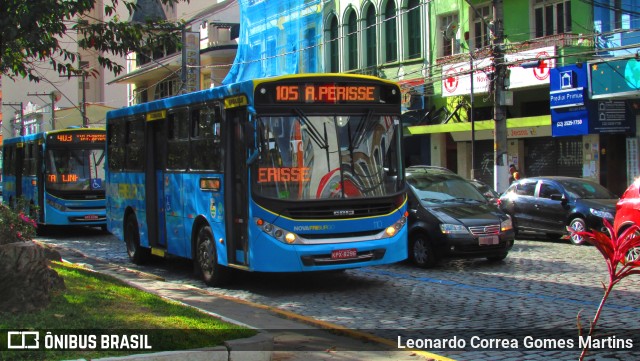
x: 615, y: 249
x: 32, y: 32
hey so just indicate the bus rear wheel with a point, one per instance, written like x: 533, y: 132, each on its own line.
x: 206, y: 259
x: 137, y: 254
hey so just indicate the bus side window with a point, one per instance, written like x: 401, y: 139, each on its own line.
x: 9, y: 160
x: 29, y: 160
x: 135, y: 144
x: 178, y: 141
x: 115, y: 144
x: 205, y: 140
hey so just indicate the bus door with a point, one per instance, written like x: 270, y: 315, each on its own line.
x: 236, y: 187
x: 154, y: 180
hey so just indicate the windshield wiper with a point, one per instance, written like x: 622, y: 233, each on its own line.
x: 314, y: 134
x: 363, y: 128
x: 433, y: 200
x: 312, y: 130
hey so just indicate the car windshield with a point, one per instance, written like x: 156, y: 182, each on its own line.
x: 487, y: 191
x: 586, y: 189
x: 444, y: 188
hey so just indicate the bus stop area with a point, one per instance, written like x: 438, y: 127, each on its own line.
x: 284, y: 336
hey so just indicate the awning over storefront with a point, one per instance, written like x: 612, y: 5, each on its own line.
x: 541, y: 120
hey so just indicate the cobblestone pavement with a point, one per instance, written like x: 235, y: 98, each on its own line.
x: 539, y: 290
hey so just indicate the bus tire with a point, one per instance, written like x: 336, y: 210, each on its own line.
x: 137, y: 254
x: 206, y: 260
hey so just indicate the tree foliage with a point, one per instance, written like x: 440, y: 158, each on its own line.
x: 37, y: 31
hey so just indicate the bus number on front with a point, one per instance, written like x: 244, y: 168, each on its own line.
x: 287, y: 93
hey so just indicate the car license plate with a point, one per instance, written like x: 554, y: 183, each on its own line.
x: 488, y: 240
x: 344, y: 253
x: 91, y: 217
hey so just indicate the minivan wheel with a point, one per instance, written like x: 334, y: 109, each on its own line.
x: 578, y: 225
x: 421, y: 251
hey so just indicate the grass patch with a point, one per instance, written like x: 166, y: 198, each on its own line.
x: 96, y: 304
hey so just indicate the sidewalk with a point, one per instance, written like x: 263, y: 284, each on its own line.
x: 291, y: 337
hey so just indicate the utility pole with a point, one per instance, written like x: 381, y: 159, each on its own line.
x: 53, y: 104
x: 500, y: 178
x: 84, y: 68
x: 21, y: 105
x: 85, y: 120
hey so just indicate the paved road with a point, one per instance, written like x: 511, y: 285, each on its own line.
x: 539, y: 290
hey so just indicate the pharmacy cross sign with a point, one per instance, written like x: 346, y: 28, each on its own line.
x: 450, y: 82
x: 542, y: 71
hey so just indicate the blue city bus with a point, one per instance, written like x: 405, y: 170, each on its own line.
x: 287, y: 174
x: 59, y: 174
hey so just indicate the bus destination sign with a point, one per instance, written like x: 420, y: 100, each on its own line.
x: 76, y: 137
x: 327, y: 93
x: 320, y: 93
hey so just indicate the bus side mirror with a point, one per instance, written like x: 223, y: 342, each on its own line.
x: 249, y: 135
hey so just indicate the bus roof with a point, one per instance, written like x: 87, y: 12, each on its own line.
x: 224, y: 91
x: 43, y: 135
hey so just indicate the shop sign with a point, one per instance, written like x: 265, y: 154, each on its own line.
x: 611, y: 116
x: 567, y: 98
x: 614, y: 78
x: 456, y: 79
x: 569, y: 108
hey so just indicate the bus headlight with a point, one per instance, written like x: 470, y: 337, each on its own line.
x: 390, y: 231
x: 290, y: 238
x: 56, y: 205
x: 393, y: 229
x: 277, y: 232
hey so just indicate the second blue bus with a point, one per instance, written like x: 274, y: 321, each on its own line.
x: 59, y: 174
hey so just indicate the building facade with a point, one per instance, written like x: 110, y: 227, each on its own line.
x: 556, y: 33
x: 210, y: 39
x: 443, y: 53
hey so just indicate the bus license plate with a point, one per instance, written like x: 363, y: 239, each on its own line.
x: 488, y: 240
x: 344, y: 253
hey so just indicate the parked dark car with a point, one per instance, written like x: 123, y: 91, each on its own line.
x: 449, y: 218
x: 628, y: 213
x: 487, y: 191
x: 549, y: 204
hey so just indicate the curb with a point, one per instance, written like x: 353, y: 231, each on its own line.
x: 255, y: 348
x: 258, y: 348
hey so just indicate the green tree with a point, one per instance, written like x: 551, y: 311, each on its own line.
x: 32, y: 32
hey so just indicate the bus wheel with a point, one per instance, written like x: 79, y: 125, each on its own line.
x: 137, y: 254
x: 206, y: 259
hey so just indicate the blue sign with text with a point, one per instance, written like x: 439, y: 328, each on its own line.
x: 569, y: 106
x: 566, y: 98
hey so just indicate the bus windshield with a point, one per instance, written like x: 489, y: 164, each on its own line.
x: 326, y: 156
x: 74, y: 169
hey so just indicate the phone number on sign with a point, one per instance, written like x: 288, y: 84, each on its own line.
x: 568, y: 123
